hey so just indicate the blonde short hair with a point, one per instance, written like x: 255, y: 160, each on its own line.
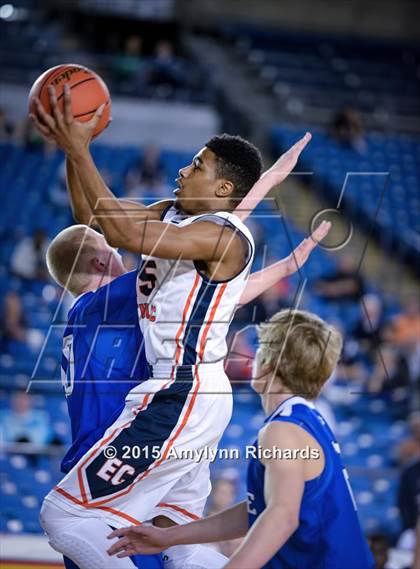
x: 302, y: 349
x: 68, y: 257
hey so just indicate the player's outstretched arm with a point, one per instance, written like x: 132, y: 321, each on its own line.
x: 80, y: 207
x: 272, y: 177
x: 229, y: 524
x: 260, y: 281
x: 74, y: 137
x: 283, y: 491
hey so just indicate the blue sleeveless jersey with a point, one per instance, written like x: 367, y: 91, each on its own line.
x: 329, y: 535
x: 103, y: 359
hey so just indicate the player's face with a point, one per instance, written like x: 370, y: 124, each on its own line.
x: 111, y: 258
x: 198, y: 183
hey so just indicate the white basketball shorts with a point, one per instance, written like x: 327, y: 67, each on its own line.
x: 154, y: 460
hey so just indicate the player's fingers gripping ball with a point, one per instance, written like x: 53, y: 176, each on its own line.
x: 88, y: 93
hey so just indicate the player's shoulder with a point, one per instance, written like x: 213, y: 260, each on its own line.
x: 294, y: 413
x: 122, y: 287
x: 226, y: 219
x: 280, y: 434
x: 79, y: 303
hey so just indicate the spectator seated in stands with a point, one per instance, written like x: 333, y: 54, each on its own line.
x: 58, y: 192
x: 350, y: 367
x: 14, y: 329
x: 369, y: 330
x: 404, y: 330
x: 408, y: 450
x: 33, y: 141
x: 380, y: 546
x: 15, y: 337
x: 28, y: 258
x: 7, y: 127
x: 146, y: 177
x: 399, y: 366
x: 166, y: 70
x: 347, y: 128
x: 130, y: 69
x: 345, y: 284
x: 24, y: 424
x: 409, y: 489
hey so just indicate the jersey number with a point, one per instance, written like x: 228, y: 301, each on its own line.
x: 250, y: 502
x: 67, y: 369
x: 148, y: 277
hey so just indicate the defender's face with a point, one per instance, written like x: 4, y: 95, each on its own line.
x: 111, y: 258
x: 197, y: 183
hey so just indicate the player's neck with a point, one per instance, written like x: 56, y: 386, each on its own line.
x: 96, y: 282
x: 270, y: 401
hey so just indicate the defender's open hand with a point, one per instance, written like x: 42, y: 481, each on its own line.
x: 139, y: 539
x: 287, y: 161
x: 300, y: 255
x: 71, y: 135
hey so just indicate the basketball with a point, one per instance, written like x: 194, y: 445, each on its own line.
x: 88, y: 93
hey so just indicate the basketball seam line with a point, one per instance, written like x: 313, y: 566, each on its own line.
x: 76, y: 84
x: 52, y: 74
x: 89, y: 112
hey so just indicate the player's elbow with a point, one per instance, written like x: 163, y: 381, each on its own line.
x: 287, y: 517
x: 116, y: 240
x: 81, y: 218
x: 292, y: 522
x: 126, y: 240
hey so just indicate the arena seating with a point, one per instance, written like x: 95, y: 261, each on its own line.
x: 328, y: 72
x: 30, y: 45
x: 382, y: 191
x: 366, y: 427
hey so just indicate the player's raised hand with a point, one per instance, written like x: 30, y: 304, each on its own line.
x: 300, y: 255
x: 287, y: 161
x: 139, y: 539
x: 71, y: 135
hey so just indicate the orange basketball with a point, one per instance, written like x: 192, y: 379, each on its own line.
x: 88, y: 92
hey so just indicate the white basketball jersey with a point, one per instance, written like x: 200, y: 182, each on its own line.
x: 184, y: 316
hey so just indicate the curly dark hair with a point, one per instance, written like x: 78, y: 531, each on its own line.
x: 238, y: 161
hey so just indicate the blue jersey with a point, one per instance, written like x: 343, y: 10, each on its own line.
x: 103, y: 359
x: 329, y: 535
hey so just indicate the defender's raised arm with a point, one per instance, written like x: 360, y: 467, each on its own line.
x: 274, y: 176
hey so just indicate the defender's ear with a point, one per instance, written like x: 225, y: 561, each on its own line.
x: 98, y: 265
x: 225, y: 189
